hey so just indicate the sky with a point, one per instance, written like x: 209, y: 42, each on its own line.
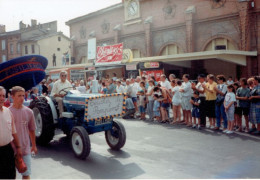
x: 14, y: 11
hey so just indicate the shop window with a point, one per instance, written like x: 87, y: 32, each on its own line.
x: 3, y: 44
x: 3, y: 58
x: 33, y: 49
x: 220, y: 47
x: 59, y: 38
x: 11, y: 48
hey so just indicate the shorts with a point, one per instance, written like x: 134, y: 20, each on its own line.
x: 141, y: 109
x: 195, y: 112
x: 185, y: 103
x: 230, y: 114
x: 210, y: 108
x: 242, y: 111
x: 27, y: 161
x: 156, y: 113
x: 134, y: 99
x: 165, y: 105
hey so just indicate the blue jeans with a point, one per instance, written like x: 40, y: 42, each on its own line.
x: 220, y: 112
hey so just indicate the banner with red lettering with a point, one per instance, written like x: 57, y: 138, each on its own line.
x: 110, y: 54
x: 156, y: 73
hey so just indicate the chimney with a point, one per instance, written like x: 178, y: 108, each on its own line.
x: 2, y: 28
x: 33, y: 22
x: 22, y: 25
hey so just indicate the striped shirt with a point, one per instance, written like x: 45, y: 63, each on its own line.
x: 7, y: 127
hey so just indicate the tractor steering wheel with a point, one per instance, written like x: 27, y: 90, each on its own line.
x: 64, y: 90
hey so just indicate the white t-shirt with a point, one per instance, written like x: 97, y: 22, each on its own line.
x: 176, y: 99
x: 199, y: 87
x: 166, y: 84
x: 150, y: 88
x: 120, y: 89
x: 187, y: 89
x: 230, y: 97
x: 135, y: 87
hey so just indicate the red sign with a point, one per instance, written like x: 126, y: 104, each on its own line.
x: 110, y: 54
x: 151, y: 65
x: 156, y: 73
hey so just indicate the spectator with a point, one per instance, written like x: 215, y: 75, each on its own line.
x: 202, y: 107
x: 211, y: 97
x: 130, y: 109
x: 7, y: 136
x: 229, y: 101
x: 242, y: 96
x: 165, y: 83
x: 156, y: 107
x: 25, y: 126
x: 114, y: 77
x: 142, y: 103
x: 150, y: 99
x: 185, y: 101
x: 155, y: 82
x: 164, y: 102
x: 176, y: 102
x: 195, y: 101
x: 81, y: 88
x: 230, y: 80
x: 119, y: 87
x: 49, y: 85
x: 44, y: 88
x: 111, y: 87
x: 134, y: 88
x: 254, y: 115
x: 104, y: 88
x: 221, y: 90
x: 172, y: 77
x: 128, y: 87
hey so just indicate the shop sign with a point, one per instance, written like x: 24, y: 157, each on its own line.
x: 110, y: 54
x: 152, y: 65
x: 156, y: 73
x: 131, y: 67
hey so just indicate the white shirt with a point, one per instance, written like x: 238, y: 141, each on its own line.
x: 176, y: 99
x: 81, y: 89
x: 150, y: 88
x: 187, y: 89
x: 7, y: 127
x: 200, y: 87
x: 135, y: 87
x: 120, y: 89
x: 230, y: 82
x: 230, y: 97
x: 166, y: 84
x: 58, y: 85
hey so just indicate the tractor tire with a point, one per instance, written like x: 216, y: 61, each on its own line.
x: 44, y: 121
x: 116, y: 137
x: 80, y: 142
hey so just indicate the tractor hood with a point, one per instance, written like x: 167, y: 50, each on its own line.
x: 25, y: 71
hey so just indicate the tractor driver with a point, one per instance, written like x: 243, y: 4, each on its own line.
x: 56, y: 92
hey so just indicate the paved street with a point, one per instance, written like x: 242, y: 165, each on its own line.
x: 154, y: 150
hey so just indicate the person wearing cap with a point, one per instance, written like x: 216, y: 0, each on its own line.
x: 202, y: 96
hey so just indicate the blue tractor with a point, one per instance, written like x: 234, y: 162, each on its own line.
x: 84, y: 114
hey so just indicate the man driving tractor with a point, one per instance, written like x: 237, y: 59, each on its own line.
x: 59, y: 90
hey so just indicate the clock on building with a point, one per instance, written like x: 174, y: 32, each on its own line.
x: 218, y: 3
x: 132, y: 9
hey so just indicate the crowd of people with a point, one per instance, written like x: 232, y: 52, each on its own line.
x: 224, y: 103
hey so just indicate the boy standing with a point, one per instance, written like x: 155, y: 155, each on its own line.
x: 195, y: 101
x: 25, y: 126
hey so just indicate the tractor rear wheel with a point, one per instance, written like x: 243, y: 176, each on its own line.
x: 44, y: 121
x: 116, y: 136
x: 80, y: 142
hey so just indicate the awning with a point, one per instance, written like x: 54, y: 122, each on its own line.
x: 232, y: 56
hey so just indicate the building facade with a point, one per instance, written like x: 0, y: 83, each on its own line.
x: 195, y: 36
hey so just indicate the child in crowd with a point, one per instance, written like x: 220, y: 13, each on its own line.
x: 176, y: 102
x: 142, y: 103
x: 195, y: 101
x: 156, y: 107
x: 229, y: 104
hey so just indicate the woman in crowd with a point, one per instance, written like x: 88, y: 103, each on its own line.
x: 150, y: 99
x: 211, y: 97
x: 176, y: 102
x: 254, y: 115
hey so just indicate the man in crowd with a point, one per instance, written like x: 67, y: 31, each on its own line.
x: 111, y: 87
x: 165, y: 83
x: 25, y: 126
x: 58, y: 86
x: 7, y: 135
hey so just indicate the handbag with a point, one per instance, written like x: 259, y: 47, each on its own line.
x: 20, y: 165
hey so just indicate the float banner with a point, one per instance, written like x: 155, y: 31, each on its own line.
x: 109, y: 54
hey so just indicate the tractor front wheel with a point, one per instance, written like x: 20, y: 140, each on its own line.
x: 80, y: 142
x: 116, y: 136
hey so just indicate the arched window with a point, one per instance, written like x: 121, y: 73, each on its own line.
x: 137, y: 53
x: 220, y: 44
x: 171, y: 49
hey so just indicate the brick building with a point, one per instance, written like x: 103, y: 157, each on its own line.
x: 186, y: 36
